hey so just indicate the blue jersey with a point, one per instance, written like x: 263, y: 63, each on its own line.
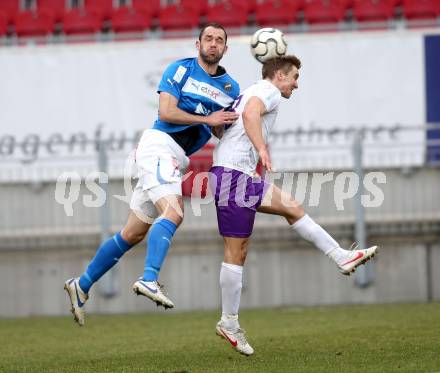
x: 197, y: 93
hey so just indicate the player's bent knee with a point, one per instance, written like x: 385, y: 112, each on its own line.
x: 171, y: 208
x: 134, y: 236
x: 177, y: 219
x: 175, y: 216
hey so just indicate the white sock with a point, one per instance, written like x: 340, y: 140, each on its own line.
x: 231, y: 280
x: 308, y: 229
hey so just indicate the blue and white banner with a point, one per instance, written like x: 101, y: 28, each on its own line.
x: 57, y: 101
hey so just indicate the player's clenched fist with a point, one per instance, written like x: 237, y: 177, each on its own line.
x: 221, y: 117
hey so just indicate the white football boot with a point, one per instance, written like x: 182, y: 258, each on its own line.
x: 77, y: 299
x: 153, y: 291
x: 348, y: 263
x: 236, y: 338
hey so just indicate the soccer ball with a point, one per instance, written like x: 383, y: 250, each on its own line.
x: 268, y: 43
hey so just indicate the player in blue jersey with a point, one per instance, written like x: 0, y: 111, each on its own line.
x: 193, y: 94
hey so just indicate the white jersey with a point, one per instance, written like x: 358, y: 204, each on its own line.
x: 235, y: 150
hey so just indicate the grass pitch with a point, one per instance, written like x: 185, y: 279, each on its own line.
x: 384, y: 338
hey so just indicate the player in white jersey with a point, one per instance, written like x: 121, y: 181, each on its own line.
x: 239, y: 193
x: 235, y: 149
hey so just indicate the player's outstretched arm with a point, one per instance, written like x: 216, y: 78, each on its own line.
x: 252, y: 113
x: 169, y: 112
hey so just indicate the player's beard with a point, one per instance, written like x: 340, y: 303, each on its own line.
x: 210, y: 59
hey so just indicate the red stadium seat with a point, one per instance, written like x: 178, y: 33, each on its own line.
x: 250, y: 4
x: 276, y: 12
x: 373, y: 10
x: 324, y: 11
x: 348, y: 4
x: 152, y: 5
x: 177, y: 17
x: 421, y: 9
x: 79, y: 21
x: 126, y: 19
x: 3, y: 24
x: 102, y: 7
x: 300, y: 4
x: 199, y: 162
x: 9, y: 8
x: 200, y: 5
x: 30, y: 23
x: 228, y: 14
x: 56, y: 7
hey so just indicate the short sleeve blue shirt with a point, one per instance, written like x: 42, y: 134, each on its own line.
x: 197, y: 93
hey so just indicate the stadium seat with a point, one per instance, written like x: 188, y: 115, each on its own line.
x: 324, y: 11
x: 300, y: 4
x: 276, y: 12
x: 348, y: 4
x: 79, y: 21
x: 228, y: 14
x: 178, y: 17
x: 373, y: 10
x: 152, y: 5
x: 200, y: 5
x: 9, y: 8
x: 3, y: 25
x: 102, y: 7
x: 30, y: 23
x: 56, y: 7
x: 249, y: 5
x: 421, y: 9
x: 199, y: 162
x: 127, y: 19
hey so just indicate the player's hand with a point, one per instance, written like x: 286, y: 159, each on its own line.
x: 221, y: 117
x: 265, y: 159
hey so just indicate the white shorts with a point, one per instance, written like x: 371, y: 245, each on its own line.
x: 160, y: 163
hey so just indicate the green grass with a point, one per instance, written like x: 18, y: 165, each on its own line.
x: 384, y: 338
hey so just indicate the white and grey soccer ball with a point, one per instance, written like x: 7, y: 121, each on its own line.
x: 268, y: 43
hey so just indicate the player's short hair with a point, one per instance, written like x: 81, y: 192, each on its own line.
x: 284, y: 63
x: 214, y: 25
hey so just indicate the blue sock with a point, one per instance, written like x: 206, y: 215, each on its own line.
x: 159, y: 240
x: 105, y: 258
